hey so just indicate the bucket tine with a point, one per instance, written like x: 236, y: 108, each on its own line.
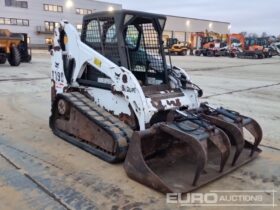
x: 195, y: 144
x: 239, y: 147
x: 222, y: 143
x: 201, y: 160
x: 255, y: 129
x: 233, y: 132
x: 135, y: 163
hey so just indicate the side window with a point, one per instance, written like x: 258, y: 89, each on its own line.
x: 93, y: 77
x: 132, y: 36
x: 101, y: 35
x: 92, y: 32
x: 111, y: 35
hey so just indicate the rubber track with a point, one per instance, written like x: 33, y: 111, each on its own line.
x: 243, y: 56
x: 120, y: 132
x: 109, y: 117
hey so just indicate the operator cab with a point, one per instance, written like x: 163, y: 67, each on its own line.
x: 207, y: 39
x: 250, y: 41
x: 171, y: 41
x: 129, y: 39
x: 262, y: 42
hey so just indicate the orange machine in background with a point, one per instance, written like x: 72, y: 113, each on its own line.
x: 249, y: 47
x: 209, y: 44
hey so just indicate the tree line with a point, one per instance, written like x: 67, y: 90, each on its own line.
x: 255, y: 35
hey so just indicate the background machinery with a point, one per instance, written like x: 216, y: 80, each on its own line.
x: 234, y: 45
x: 207, y: 47
x: 24, y: 49
x: 259, y: 45
x: 174, y: 46
x: 276, y: 47
x: 14, y: 48
x: 244, y: 48
x: 115, y: 96
x: 267, y: 43
x: 209, y: 44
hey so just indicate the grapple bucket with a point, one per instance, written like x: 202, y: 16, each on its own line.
x: 180, y: 156
x: 233, y: 124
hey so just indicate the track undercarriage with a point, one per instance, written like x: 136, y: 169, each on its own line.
x: 251, y: 55
x: 79, y: 121
x: 187, y: 150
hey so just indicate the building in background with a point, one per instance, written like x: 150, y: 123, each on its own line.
x: 182, y: 27
x: 38, y: 18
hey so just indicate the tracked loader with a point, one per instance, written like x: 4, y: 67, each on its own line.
x: 115, y: 95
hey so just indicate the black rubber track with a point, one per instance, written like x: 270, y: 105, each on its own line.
x: 108, y: 123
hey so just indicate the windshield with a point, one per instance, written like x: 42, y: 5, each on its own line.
x: 142, y: 52
x: 235, y: 41
x: 250, y: 42
x: 262, y: 42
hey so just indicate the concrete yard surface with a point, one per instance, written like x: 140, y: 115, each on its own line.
x: 40, y: 171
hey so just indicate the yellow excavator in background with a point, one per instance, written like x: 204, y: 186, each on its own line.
x: 174, y: 46
x: 14, y: 48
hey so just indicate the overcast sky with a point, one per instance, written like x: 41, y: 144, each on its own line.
x: 244, y: 15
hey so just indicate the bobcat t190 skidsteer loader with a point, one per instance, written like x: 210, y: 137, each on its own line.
x: 115, y: 96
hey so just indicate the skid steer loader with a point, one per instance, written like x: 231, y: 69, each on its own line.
x: 115, y: 96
